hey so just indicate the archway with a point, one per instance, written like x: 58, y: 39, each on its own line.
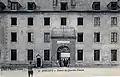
x: 63, y: 56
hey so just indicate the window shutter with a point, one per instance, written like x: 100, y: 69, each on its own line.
x: 32, y: 37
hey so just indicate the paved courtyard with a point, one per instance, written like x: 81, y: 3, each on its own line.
x: 63, y: 72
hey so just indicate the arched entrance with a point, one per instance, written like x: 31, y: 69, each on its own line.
x: 39, y: 61
x: 63, y: 56
x: 63, y: 41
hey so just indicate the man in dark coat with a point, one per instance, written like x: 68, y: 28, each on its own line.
x: 30, y: 71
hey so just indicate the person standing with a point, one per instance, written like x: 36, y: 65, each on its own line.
x: 63, y: 62
x: 68, y: 62
x: 30, y: 70
x: 60, y: 62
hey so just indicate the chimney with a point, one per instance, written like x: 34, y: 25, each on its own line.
x: 55, y: 3
x: 9, y: 3
x: 73, y: 3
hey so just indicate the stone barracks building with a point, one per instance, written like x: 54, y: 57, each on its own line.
x: 58, y: 33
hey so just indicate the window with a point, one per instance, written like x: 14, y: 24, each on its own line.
x: 13, y: 36
x: 64, y: 6
x: 63, y: 21
x: 47, y: 21
x: 30, y: 36
x: 30, y: 54
x: 113, y: 20
x: 80, y: 54
x: 30, y: 21
x: 114, y: 37
x: 46, y: 55
x: 96, y: 55
x: 31, y: 5
x: 80, y: 21
x: 14, y: 6
x: 13, y: 54
x: 80, y: 37
x: 13, y: 21
x: 46, y: 37
x: 113, y: 5
x: 113, y: 55
x: 96, y: 36
x: 96, y: 21
x: 96, y: 5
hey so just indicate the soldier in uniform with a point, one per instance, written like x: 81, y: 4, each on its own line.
x: 30, y: 70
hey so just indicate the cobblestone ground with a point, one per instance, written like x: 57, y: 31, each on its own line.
x: 63, y: 72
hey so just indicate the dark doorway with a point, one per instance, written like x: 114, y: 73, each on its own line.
x: 38, y: 62
x: 58, y: 56
x: 63, y: 56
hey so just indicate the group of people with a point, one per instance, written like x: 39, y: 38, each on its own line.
x: 64, y: 62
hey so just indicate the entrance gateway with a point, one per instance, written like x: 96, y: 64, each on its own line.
x: 63, y: 56
x: 63, y: 46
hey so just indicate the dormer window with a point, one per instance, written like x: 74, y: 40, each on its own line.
x: 15, y: 6
x: 96, y: 6
x: 64, y: 6
x: 31, y: 6
x: 112, y: 5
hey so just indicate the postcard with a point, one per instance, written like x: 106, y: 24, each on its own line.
x: 59, y: 38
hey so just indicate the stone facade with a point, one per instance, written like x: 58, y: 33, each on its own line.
x: 44, y: 8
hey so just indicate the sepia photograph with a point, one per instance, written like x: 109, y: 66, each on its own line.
x: 59, y: 38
